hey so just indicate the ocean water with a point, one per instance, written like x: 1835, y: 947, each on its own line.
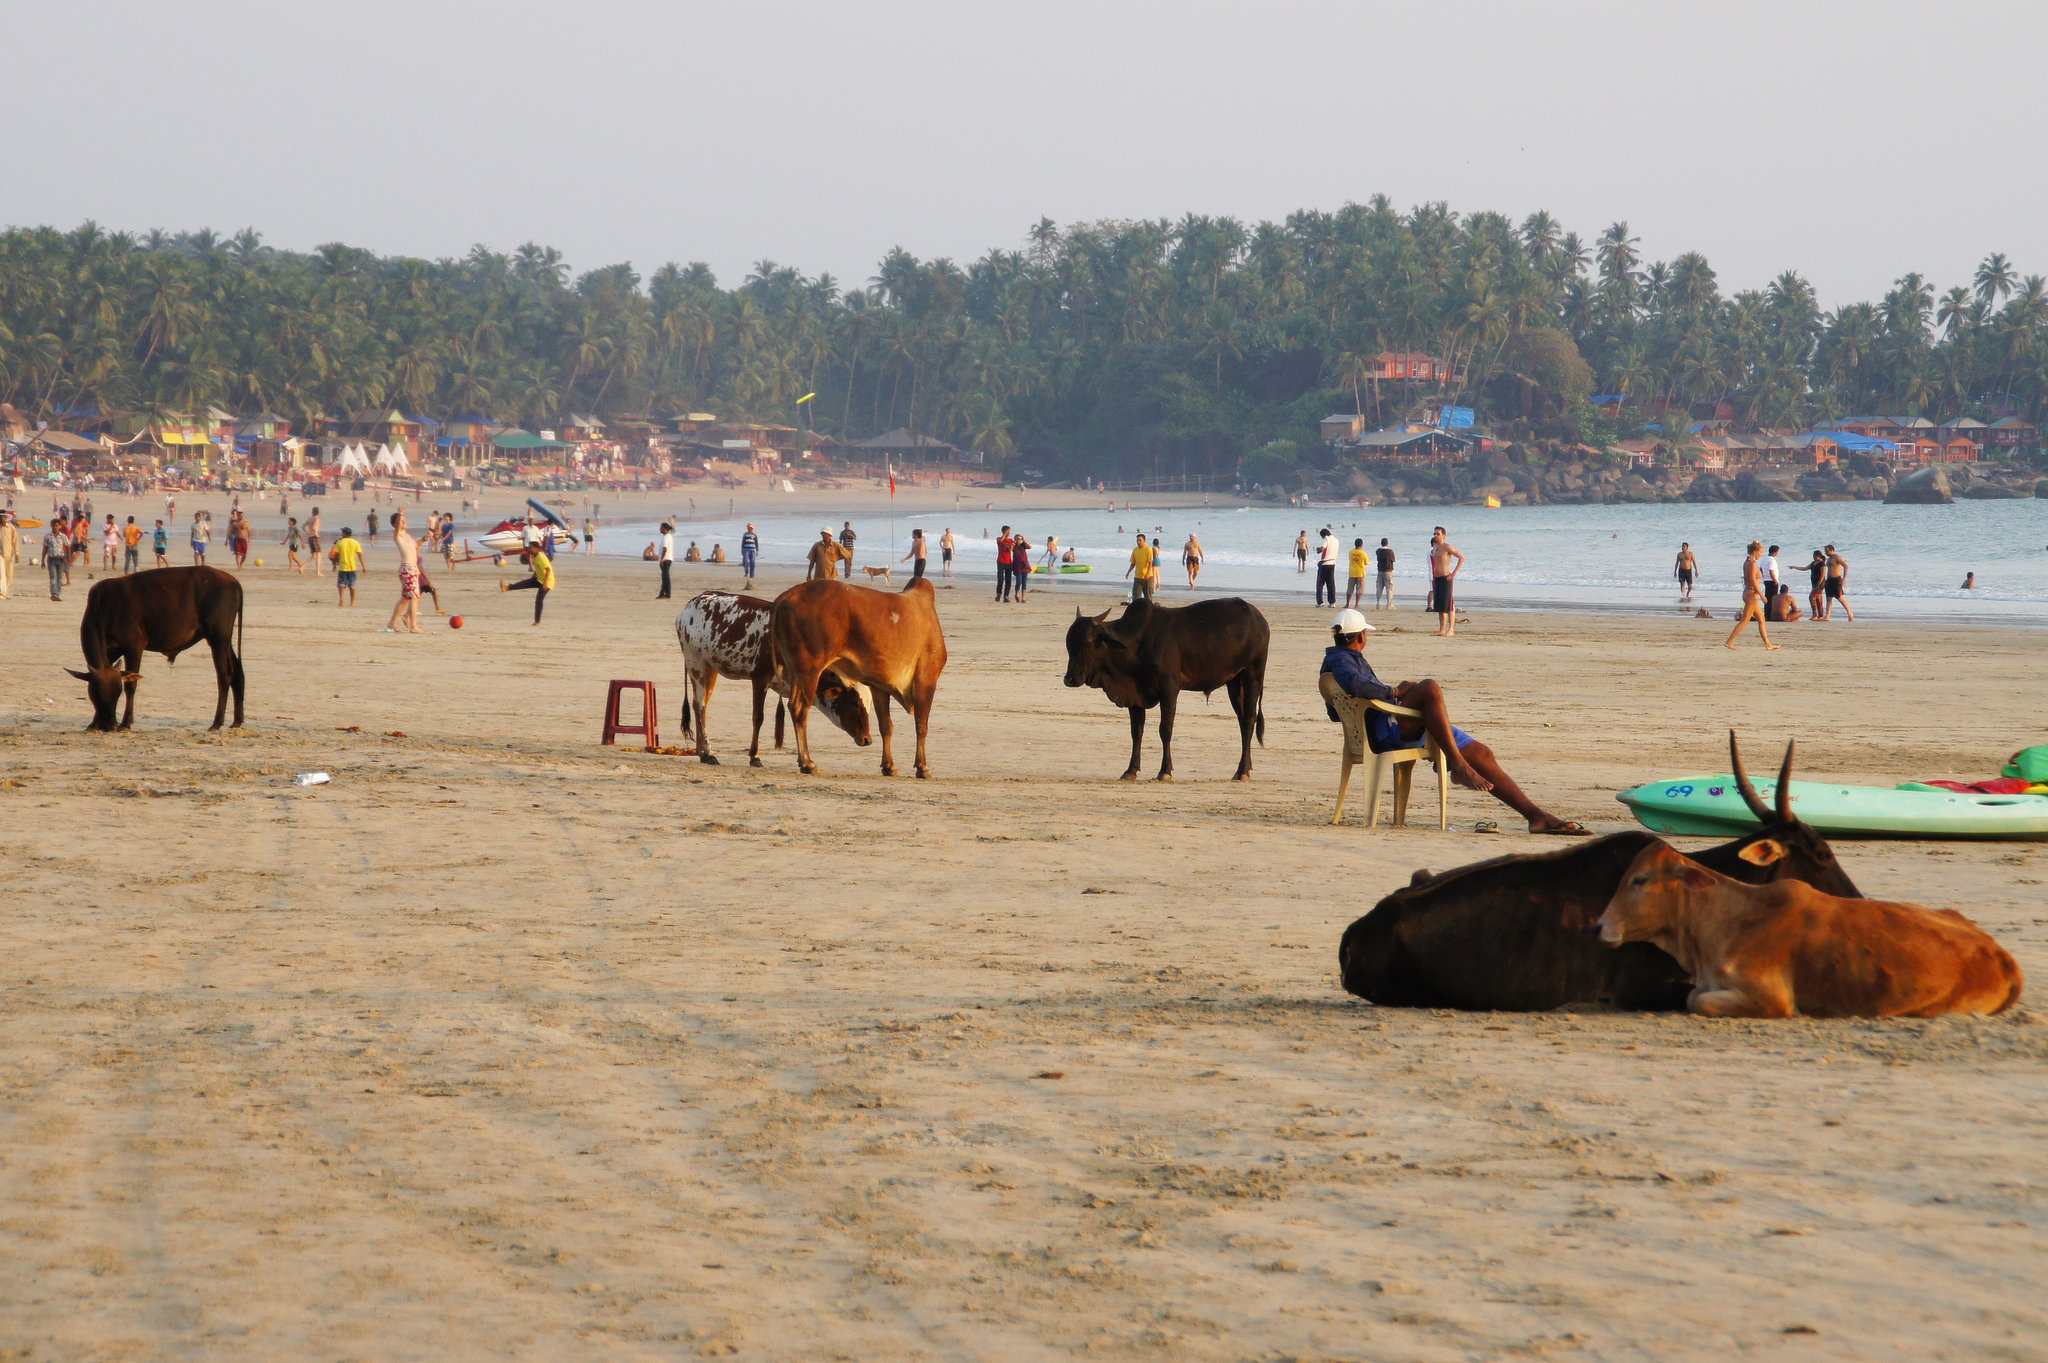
x: 1904, y: 561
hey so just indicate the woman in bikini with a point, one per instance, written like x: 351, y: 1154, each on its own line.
x: 1752, y: 597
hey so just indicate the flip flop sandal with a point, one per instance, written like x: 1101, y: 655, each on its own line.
x: 1486, y: 826
x: 1570, y: 828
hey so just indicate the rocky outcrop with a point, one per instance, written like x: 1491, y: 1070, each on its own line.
x: 1710, y: 487
x: 1921, y: 487
x: 1991, y: 492
x: 1750, y: 488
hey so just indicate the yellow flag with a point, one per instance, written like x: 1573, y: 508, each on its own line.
x: 805, y: 398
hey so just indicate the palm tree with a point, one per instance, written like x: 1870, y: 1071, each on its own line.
x: 1994, y: 279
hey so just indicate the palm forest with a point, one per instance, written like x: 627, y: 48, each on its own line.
x: 1106, y: 349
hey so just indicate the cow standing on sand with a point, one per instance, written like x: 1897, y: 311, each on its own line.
x: 724, y: 634
x: 1152, y: 653
x: 164, y: 610
x: 888, y: 641
x: 1772, y: 951
x: 1514, y: 933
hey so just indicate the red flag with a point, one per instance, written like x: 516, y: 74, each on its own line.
x: 892, y: 482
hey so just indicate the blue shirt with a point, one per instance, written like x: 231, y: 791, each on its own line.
x: 749, y: 542
x: 1355, y: 675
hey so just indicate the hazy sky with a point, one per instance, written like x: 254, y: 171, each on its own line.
x: 1852, y: 142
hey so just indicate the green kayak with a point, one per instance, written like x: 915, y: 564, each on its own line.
x: 1712, y: 807
x: 1073, y: 567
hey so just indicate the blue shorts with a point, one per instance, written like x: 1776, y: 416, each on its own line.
x: 344, y: 580
x: 1383, y: 733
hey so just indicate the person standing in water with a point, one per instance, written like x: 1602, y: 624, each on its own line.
x: 1354, y: 585
x: 915, y: 558
x: 1837, y: 582
x: 1752, y: 597
x: 946, y: 553
x: 1191, y: 558
x: 1444, y: 563
x: 1383, y: 591
x: 1816, y: 572
x: 1686, y: 569
x: 1301, y: 552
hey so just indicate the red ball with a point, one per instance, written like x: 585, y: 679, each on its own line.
x: 455, y: 622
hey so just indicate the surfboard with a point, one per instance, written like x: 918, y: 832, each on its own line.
x: 1711, y: 806
x: 1073, y: 567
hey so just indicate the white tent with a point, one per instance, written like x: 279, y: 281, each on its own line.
x: 391, y: 459
x: 353, y: 460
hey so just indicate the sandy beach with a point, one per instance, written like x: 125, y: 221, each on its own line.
x: 505, y: 1044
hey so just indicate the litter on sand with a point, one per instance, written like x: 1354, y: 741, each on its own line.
x: 311, y: 778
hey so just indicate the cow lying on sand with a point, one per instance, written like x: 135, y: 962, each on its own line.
x: 1770, y: 951
x: 163, y: 610
x: 1515, y: 933
x: 1151, y: 654
x: 724, y: 634
x: 889, y: 642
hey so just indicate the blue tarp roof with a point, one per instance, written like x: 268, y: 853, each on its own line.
x: 1455, y: 419
x: 1849, y: 440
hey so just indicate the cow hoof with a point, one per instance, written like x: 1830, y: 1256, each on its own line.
x: 1242, y: 776
x: 755, y: 762
x: 924, y: 773
x: 1128, y: 776
x: 707, y: 759
x: 808, y: 768
x: 1164, y: 776
x: 888, y: 769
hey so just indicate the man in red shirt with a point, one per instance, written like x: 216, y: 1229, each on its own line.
x: 1003, y: 575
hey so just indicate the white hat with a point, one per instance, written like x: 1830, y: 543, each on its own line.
x: 1350, y: 622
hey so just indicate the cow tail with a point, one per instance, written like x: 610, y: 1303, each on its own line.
x: 686, y: 716
x: 241, y: 614
x: 778, y: 721
x: 1261, y: 725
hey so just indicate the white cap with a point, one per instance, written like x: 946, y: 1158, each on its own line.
x: 1350, y: 622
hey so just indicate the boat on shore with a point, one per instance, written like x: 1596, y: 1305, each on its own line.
x: 1713, y: 807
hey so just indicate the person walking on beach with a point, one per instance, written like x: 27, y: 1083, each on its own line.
x: 131, y: 547
x: 160, y: 544
x: 1191, y: 559
x: 824, y: 557
x: 1020, y: 567
x: 56, y: 552
x: 313, y: 542
x: 1002, y: 563
x: 1140, y: 571
x: 202, y: 535
x: 589, y: 536
x: 668, y: 558
x: 846, y: 539
x: 1444, y: 563
x: 171, y: 507
x: 1326, y: 567
x: 1685, y: 569
x: 1837, y: 581
x: 540, y: 583
x: 371, y: 521
x: 915, y: 558
x: 10, y: 552
x: 1301, y: 552
x: 1383, y: 590
x: 750, y: 550
x: 347, y: 556
x: 1354, y: 582
x: 1816, y: 572
x: 409, y: 577
x: 946, y: 553
x: 110, y: 544
x: 294, y: 539
x: 1752, y: 597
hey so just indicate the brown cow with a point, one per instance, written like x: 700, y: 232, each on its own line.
x: 889, y: 641
x: 163, y: 610
x: 1770, y: 951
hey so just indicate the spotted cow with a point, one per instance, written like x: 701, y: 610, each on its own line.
x: 724, y: 634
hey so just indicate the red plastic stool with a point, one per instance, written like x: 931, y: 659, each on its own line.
x: 612, y: 726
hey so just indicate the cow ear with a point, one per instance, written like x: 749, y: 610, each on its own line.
x: 1697, y: 879
x: 82, y: 676
x: 1764, y: 852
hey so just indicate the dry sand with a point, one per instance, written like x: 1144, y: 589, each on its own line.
x: 508, y: 1045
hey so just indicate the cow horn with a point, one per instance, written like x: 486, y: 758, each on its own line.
x: 1749, y: 796
x: 1105, y: 614
x: 82, y: 676
x: 1785, y: 783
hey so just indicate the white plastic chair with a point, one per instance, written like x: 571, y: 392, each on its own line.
x: 1351, y: 713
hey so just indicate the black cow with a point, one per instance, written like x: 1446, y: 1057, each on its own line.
x: 1515, y: 933
x: 164, y: 610
x: 1153, y: 653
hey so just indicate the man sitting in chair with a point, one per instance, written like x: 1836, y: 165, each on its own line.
x: 1471, y: 762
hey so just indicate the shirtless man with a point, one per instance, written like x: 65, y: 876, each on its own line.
x: 1686, y: 569
x: 1837, y: 580
x: 313, y: 542
x: 1443, y: 573
x: 1300, y: 551
x: 1752, y: 596
x: 408, y: 607
x: 1191, y: 558
x: 946, y: 552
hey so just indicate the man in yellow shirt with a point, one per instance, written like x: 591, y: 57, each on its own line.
x: 1140, y: 571
x: 540, y: 584
x: 347, y: 557
x: 1354, y: 590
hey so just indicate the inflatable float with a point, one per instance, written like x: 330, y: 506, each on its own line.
x: 1712, y: 807
x: 1073, y: 567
